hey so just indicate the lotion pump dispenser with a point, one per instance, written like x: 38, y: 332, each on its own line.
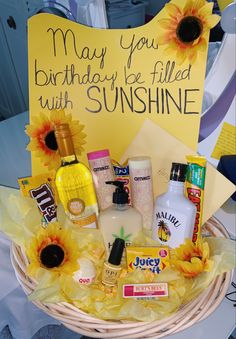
x: 119, y: 220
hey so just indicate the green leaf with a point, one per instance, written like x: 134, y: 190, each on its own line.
x: 122, y: 232
x: 127, y: 236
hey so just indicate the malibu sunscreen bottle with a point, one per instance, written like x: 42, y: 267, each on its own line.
x: 174, y: 214
x: 74, y: 183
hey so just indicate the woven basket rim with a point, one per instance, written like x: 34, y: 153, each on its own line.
x: 86, y: 324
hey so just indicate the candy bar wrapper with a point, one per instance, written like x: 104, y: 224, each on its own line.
x: 122, y: 174
x: 155, y: 259
x: 42, y: 189
x: 194, y: 189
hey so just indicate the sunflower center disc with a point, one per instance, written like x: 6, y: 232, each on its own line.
x: 189, y: 29
x: 50, y: 141
x: 52, y: 256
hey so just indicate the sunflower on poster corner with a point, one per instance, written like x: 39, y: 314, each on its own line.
x: 53, y: 249
x: 184, y: 30
x: 191, y: 259
x: 42, y: 137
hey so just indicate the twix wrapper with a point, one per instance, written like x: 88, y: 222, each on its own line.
x: 194, y: 189
x: 122, y: 174
x: 43, y: 190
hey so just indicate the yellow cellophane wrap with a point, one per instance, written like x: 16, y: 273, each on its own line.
x: 20, y: 220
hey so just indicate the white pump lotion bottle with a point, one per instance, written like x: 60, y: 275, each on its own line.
x: 119, y: 220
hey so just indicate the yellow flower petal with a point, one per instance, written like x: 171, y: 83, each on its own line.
x: 199, y: 3
x: 42, y: 126
x: 53, y: 235
x: 191, y: 259
x: 180, y: 57
x: 206, y: 10
x: 173, y: 10
x: 212, y: 20
x: 202, y: 11
x: 167, y: 24
x: 192, y: 56
x: 163, y: 39
x: 209, y: 265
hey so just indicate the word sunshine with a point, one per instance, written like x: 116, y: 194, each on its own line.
x: 142, y: 100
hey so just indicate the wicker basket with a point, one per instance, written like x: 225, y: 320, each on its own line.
x: 82, y: 323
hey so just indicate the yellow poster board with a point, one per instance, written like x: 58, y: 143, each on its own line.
x: 164, y: 149
x: 112, y: 80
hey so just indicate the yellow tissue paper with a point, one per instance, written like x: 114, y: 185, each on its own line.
x: 20, y: 220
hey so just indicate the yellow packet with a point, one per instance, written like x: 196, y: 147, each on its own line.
x: 43, y: 190
x: 156, y: 259
x: 194, y: 189
x: 122, y: 174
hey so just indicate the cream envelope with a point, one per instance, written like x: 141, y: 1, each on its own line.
x: 164, y: 149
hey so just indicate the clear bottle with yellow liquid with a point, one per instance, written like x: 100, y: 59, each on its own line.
x: 74, y: 183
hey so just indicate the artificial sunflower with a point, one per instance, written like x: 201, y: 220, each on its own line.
x: 185, y: 30
x: 43, y: 142
x: 53, y: 249
x: 191, y: 259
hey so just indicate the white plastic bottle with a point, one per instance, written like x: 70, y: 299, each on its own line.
x: 140, y: 170
x: 119, y: 220
x: 174, y: 214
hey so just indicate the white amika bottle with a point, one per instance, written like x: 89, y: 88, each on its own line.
x: 174, y: 214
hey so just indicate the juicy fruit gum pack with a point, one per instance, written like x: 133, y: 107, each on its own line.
x: 122, y: 174
x: 153, y: 258
x: 194, y: 189
x: 43, y: 190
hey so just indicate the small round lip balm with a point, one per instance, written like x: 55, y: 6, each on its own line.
x: 86, y: 273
